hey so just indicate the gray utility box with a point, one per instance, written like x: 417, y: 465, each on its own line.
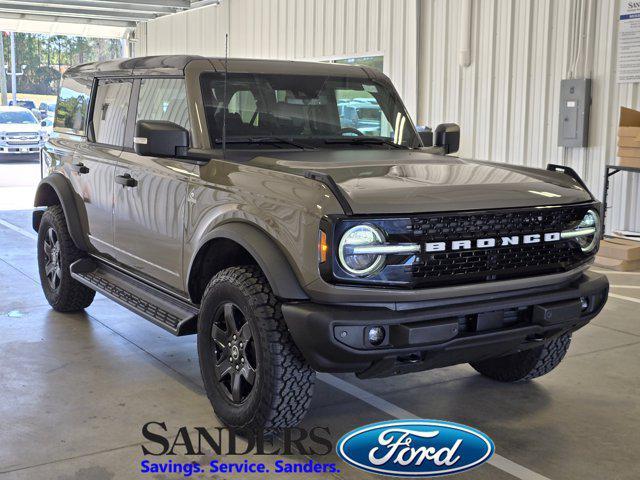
x: 575, y: 103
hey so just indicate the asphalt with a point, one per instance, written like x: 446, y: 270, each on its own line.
x: 75, y: 390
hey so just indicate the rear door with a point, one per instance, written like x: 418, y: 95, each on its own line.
x: 150, y: 198
x: 95, y: 160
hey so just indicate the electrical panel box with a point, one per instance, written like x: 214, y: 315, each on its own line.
x: 575, y: 103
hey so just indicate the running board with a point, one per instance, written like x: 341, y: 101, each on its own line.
x: 166, y: 311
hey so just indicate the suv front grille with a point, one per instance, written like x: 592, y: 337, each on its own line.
x: 487, y: 264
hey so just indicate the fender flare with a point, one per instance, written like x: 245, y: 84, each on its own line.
x: 267, y: 254
x: 73, y: 213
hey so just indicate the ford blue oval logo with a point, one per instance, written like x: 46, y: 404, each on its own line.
x: 415, y: 448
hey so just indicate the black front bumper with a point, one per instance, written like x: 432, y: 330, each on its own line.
x: 333, y: 338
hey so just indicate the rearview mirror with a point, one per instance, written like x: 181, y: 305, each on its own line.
x: 159, y: 138
x: 447, y: 136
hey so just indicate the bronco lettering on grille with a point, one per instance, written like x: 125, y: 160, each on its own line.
x: 492, y: 242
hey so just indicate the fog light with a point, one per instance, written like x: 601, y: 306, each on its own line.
x: 375, y: 335
x: 584, y: 303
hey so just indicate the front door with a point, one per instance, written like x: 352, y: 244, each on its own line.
x: 95, y: 160
x: 151, y: 193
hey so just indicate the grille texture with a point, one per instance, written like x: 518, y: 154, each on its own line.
x: 487, y: 264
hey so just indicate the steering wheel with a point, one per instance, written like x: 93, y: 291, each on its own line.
x: 355, y: 131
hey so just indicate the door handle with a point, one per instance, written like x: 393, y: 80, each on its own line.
x: 126, y: 181
x: 80, y: 168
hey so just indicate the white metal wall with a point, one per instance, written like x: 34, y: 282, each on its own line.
x: 506, y: 101
x: 296, y: 29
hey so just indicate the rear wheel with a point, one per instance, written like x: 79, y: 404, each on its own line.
x: 528, y: 364
x: 254, y: 375
x: 56, y: 253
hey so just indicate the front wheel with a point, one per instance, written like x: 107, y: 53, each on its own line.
x: 56, y: 253
x: 528, y: 364
x: 254, y: 375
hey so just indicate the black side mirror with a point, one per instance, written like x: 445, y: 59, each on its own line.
x: 447, y: 136
x: 159, y: 138
x: 426, y: 136
x: 43, y: 123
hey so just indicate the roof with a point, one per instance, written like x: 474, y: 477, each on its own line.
x: 175, y: 65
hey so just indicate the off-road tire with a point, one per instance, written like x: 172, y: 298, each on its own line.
x: 281, y: 394
x: 526, y: 365
x: 70, y: 295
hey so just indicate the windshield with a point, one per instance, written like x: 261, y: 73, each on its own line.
x: 307, y: 110
x: 17, y: 117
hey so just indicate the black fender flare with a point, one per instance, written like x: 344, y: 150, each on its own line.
x: 267, y: 254
x: 71, y: 206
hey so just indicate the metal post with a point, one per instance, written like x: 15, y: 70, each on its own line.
x: 3, y: 72
x: 14, y: 92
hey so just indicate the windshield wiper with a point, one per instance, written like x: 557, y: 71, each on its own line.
x: 366, y: 140
x: 265, y: 141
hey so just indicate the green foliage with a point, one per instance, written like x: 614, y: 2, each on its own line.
x: 46, y: 56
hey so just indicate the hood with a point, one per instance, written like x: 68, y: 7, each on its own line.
x: 20, y: 127
x: 380, y: 181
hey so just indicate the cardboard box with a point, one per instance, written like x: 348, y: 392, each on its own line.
x: 629, y: 152
x: 629, y: 123
x: 620, y: 249
x: 629, y: 138
x: 629, y: 162
x: 618, y: 265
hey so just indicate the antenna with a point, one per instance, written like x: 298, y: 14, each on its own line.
x: 225, y: 103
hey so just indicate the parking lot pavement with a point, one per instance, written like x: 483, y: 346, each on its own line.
x: 76, y: 390
x: 18, y: 181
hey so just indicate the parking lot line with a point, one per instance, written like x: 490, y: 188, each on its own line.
x: 612, y: 272
x: 624, y: 286
x: 395, y: 411
x: 19, y: 230
x: 622, y: 297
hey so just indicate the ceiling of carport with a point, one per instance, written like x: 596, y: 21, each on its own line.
x: 95, y: 18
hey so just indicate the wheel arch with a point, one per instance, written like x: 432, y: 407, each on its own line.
x: 238, y: 243
x: 56, y: 190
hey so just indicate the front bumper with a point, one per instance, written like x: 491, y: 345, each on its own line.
x: 332, y: 338
x: 30, y: 149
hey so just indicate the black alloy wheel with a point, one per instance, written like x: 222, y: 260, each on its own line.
x: 235, y: 352
x: 52, y: 267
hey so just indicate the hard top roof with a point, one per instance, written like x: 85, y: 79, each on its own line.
x: 176, y: 64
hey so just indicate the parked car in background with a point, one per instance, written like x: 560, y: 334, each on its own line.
x: 21, y: 134
x: 29, y: 104
x: 361, y: 115
x: 47, y: 109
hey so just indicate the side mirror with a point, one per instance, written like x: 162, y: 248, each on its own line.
x: 447, y: 136
x: 426, y: 135
x: 159, y: 138
x: 43, y: 123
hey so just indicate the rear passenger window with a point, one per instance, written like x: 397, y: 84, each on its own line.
x: 110, y: 109
x: 72, y: 106
x: 164, y: 99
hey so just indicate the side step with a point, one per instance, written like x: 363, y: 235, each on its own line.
x: 170, y: 313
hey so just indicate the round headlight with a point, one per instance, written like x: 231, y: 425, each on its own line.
x: 361, y: 264
x: 591, y: 220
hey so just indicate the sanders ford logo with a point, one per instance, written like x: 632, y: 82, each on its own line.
x: 415, y: 448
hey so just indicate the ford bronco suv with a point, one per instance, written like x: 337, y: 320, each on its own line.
x: 230, y: 198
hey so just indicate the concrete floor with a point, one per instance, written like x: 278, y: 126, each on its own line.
x: 76, y: 389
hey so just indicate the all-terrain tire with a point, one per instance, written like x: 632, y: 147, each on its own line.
x: 65, y: 294
x: 281, y: 394
x: 526, y: 365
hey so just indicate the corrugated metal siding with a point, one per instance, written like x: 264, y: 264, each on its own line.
x: 506, y: 101
x: 296, y: 29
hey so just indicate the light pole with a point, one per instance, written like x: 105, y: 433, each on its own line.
x: 3, y: 72
x: 13, y: 69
